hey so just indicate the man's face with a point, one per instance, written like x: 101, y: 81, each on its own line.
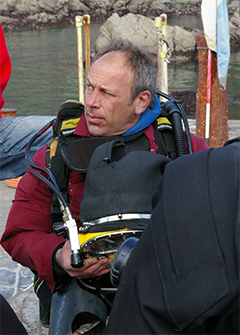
x: 108, y: 108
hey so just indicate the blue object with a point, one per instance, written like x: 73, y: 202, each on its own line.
x: 146, y: 118
x: 15, y: 132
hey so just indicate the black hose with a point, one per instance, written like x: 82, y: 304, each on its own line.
x: 52, y: 183
x: 100, y: 292
x: 178, y: 109
x: 187, y: 130
x: 171, y: 108
x: 28, y: 157
x: 76, y: 256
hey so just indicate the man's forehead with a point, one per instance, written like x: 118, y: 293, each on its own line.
x: 113, y: 59
x: 112, y: 56
x: 108, y: 67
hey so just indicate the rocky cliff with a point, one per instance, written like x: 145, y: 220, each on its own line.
x: 40, y: 14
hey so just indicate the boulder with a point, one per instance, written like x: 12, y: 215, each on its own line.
x: 21, y: 8
x: 11, y: 3
x: 42, y: 18
x: 130, y: 27
x: 183, y: 40
x: 120, y: 5
x: 234, y: 29
x: 6, y: 21
x: 47, y: 5
x: 141, y: 31
x: 61, y: 5
x: 75, y: 5
x: 93, y: 4
x: 136, y: 6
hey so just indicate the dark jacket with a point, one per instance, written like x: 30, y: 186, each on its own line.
x: 183, y: 275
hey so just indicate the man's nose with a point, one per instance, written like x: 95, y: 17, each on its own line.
x: 92, y: 99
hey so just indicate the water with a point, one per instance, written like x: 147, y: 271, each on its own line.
x: 45, y: 74
x: 44, y: 69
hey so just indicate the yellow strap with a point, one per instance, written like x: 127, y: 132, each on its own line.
x: 163, y: 120
x: 53, y: 146
x: 70, y: 124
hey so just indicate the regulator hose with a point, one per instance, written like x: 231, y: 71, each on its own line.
x: 173, y: 107
x: 70, y: 224
x: 173, y: 111
x: 52, y: 183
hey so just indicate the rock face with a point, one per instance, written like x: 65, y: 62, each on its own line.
x: 128, y: 19
x: 141, y: 31
x: 40, y: 14
x: 54, y: 13
x: 234, y: 28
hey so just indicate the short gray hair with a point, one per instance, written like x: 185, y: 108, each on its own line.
x: 140, y: 63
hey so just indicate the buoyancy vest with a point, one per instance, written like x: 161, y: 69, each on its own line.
x: 69, y: 152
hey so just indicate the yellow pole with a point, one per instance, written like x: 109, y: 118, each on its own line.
x: 86, y: 20
x: 164, y: 53
x: 159, y: 50
x: 79, y: 22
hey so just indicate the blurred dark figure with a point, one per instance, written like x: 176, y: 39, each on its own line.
x: 183, y: 275
x: 9, y: 322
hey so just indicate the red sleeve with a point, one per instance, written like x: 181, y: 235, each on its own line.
x: 29, y: 236
x: 198, y: 143
x: 5, y: 66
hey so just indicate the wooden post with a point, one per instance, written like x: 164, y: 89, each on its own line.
x: 218, y: 100
x: 86, y: 21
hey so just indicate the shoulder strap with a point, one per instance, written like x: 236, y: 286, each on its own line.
x: 51, y: 150
x: 66, y: 122
x: 165, y: 138
x: 68, y: 117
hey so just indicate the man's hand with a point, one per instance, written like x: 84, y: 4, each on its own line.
x: 93, y: 266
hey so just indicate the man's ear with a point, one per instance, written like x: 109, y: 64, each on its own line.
x: 142, y: 101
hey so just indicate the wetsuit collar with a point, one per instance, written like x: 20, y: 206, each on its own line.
x: 146, y: 118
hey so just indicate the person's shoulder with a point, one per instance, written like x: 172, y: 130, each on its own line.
x: 198, y: 143
x: 40, y: 156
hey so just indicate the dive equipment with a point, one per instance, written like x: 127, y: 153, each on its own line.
x: 120, y: 260
x: 69, y: 225
x: 105, y: 233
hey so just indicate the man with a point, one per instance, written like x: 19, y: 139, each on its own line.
x: 183, y: 275
x: 119, y: 89
x: 15, y: 132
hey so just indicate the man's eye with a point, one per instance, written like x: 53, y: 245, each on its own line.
x: 108, y: 93
x: 89, y: 87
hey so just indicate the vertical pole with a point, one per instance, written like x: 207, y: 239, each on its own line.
x: 209, y: 74
x: 79, y: 22
x: 218, y: 100
x: 161, y: 32
x: 159, y: 50
x: 164, y: 53
x: 86, y: 20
